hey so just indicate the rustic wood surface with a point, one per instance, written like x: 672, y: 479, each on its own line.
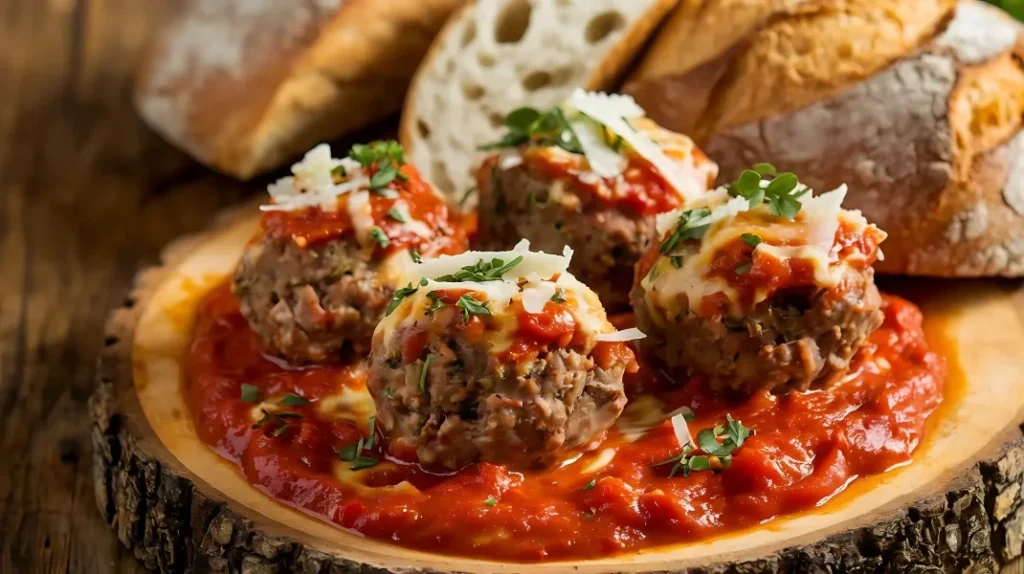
x: 88, y: 195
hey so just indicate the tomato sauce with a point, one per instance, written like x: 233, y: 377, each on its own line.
x: 806, y: 447
x: 314, y: 225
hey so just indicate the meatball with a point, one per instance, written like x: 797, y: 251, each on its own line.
x: 516, y: 370
x: 318, y: 275
x: 551, y: 194
x: 754, y: 300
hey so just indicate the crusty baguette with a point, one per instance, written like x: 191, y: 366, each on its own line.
x: 497, y: 55
x: 245, y: 86
x: 930, y: 141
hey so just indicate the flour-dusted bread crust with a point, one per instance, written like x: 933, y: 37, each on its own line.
x: 497, y: 55
x: 930, y: 143
x: 244, y: 86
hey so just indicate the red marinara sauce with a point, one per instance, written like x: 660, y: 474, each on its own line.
x: 313, y: 225
x: 640, y: 190
x: 806, y: 447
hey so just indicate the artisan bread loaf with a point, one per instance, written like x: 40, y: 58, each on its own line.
x: 922, y: 120
x: 498, y: 55
x: 244, y: 85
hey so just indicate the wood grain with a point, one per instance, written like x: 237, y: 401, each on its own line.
x: 88, y: 195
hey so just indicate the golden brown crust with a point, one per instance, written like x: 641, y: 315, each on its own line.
x: 929, y: 144
x: 244, y: 88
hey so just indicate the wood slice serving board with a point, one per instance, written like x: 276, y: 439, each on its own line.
x: 178, y: 505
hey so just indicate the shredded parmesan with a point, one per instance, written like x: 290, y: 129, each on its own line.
x: 312, y: 183
x: 614, y: 112
x: 681, y: 429
x: 632, y: 334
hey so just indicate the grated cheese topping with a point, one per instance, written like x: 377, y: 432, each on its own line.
x: 312, y: 183
x: 810, y: 236
x: 533, y: 282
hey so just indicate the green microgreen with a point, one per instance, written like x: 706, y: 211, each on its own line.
x: 732, y: 435
x: 590, y: 485
x: 293, y: 400
x: 751, y: 239
x: 435, y: 302
x: 691, y: 225
x: 559, y: 296
x: 482, y: 271
x: 543, y: 129
x: 396, y: 215
x: 782, y: 191
x: 389, y: 151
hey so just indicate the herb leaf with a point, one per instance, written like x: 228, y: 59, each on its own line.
x: 423, y: 373
x: 349, y: 452
x: 382, y: 150
x: 397, y: 298
x: 590, y: 485
x: 372, y: 437
x: 491, y: 501
x: 293, y: 400
x: 691, y: 225
x: 250, y: 393
x: 764, y: 168
x: 482, y: 271
x: 362, y: 462
x: 470, y: 306
x: 743, y: 268
x: 415, y: 254
x: 379, y: 237
x: 435, y: 302
x: 559, y: 296
x: 384, y: 176
x: 543, y: 129
x: 396, y: 215
x: 751, y: 239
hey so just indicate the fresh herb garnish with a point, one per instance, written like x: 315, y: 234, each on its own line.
x: 559, y: 296
x: 250, y: 393
x: 482, y: 271
x: 743, y: 268
x: 491, y: 501
x: 435, y: 302
x: 396, y: 215
x: 339, y: 172
x: 716, y: 455
x: 379, y: 237
x: 543, y: 129
x: 782, y: 191
x: 362, y: 462
x: 278, y: 418
x: 348, y: 453
x: 397, y: 298
x: 293, y: 400
x: 590, y: 485
x: 465, y: 196
x: 470, y: 306
x: 677, y: 261
x: 353, y: 452
x: 415, y: 254
x: 372, y: 436
x: 423, y: 373
x: 751, y: 239
x: 379, y: 151
x: 691, y: 225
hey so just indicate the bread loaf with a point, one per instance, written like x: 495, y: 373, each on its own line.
x: 245, y: 85
x: 498, y: 55
x: 919, y: 113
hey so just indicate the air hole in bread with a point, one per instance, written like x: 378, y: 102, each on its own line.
x: 439, y: 176
x: 497, y: 120
x: 485, y: 60
x: 469, y: 34
x: 511, y: 25
x: 423, y: 129
x: 472, y: 91
x: 602, y: 25
x: 536, y: 81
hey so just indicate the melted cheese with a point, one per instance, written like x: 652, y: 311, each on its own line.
x: 614, y: 113
x: 810, y: 237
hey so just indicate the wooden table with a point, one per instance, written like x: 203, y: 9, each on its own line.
x: 88, y: 195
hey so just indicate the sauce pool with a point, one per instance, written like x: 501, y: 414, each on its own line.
x: 806, y: 448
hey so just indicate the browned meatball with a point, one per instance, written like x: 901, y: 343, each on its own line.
x: 307, y: 303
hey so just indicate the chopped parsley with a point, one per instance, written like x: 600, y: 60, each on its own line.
x: 396, y: 215
x: 590, y: 485
x: 691, y: 225
x: 353, y: 452
x: 482, y: 271
x: 751, y: 239
x: 543, y: 129
x: 362, y: 462
x: 423, y: 373
x: 435, y: 302
x: 677, y: 261
x: 293, y: 400
x: 782, y: 191
x: 559, y: 296
x: 715, y: 454
x: 743, y: 268
x: 415, y: 254
x: 250, y: 394
x: 491, y: 501
x: 372, y: 436
x: 470, y: 306
x: 389, y: 393
x: 379, y: 237
x: 339, y: 172
x: 279, y: 420
x: 383, y: 150
x: 399, y: 295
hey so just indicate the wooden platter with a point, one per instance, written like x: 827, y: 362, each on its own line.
x: 178, y: 505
